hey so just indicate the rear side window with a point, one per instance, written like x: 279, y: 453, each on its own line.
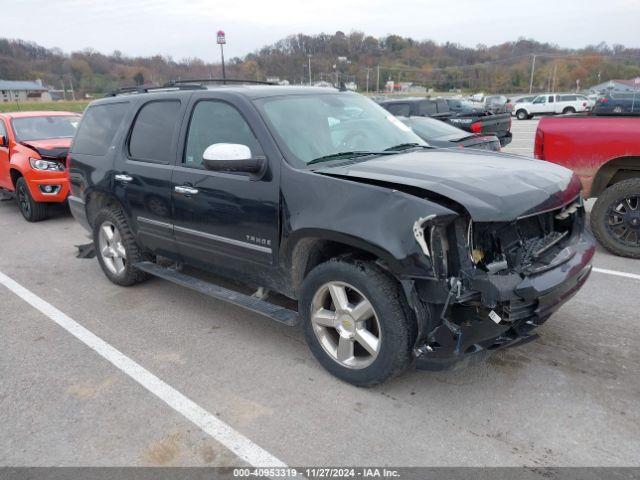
x: 151, y: 137
x: 402, y: 109
x: 551, y: 98
x: 3, y: 131
x: 98, y: 128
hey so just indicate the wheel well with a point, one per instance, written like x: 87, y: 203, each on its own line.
x: 311, y: 252
x: 96, y: 201
x: 615, y: 171
x: 15, y: 175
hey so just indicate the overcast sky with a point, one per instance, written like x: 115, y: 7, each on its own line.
x: 187, y: 28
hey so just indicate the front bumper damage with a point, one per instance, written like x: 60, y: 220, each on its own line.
x: 491, y: 312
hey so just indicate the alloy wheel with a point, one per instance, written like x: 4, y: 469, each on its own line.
x: 623, y: 220
x: 23, y: 200
x: 346, y: 325
x: 111, y: 248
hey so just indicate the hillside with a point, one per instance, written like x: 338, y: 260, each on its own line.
x: 504, y: 68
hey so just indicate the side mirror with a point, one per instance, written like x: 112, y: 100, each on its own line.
x: 231, y: 157
x: 4, y: 141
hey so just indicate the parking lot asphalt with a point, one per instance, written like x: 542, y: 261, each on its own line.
x: 524, y: 132
x: 568, y: 399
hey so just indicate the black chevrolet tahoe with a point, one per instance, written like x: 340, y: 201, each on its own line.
x: 387, y: 252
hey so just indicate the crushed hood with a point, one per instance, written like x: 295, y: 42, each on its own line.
x: 491, y: 187
x: 55, y: 148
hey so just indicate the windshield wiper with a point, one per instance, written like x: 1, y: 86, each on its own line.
x: 405, y: 146
x: 339, y: 155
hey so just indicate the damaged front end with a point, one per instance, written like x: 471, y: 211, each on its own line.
x: 493, y: 283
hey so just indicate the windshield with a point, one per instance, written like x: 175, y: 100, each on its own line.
x: 430, y: 128
x: 42, y: 128
x: 311, y: 127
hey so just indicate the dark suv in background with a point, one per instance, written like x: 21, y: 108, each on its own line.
x: 459, y: 113
x: 388, y: 252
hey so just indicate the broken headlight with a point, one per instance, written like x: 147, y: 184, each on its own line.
x: 439, y: 246
x: 433, y: 242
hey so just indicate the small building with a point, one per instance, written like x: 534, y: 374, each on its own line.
x: 615, y: 86
x: 23, y: 91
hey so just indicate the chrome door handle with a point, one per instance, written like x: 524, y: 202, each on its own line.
x: 183, y: 189
x: 123, y: 178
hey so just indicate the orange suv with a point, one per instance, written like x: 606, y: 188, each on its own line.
x: 33, y: 152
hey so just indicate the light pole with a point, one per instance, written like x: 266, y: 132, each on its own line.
x: 221, y: 39
x: 309, y: 58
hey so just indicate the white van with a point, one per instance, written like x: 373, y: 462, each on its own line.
x: 550, y: 104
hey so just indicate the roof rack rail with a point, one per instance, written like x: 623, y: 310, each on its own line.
x: 188, y: 84
x: 201, y: 81
x: 132, y: 90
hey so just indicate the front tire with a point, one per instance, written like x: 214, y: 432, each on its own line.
x: 31, y: 210
x: 354, y: 322
x: 522, y: 115
x: 615, y: 218
x: 116, y: 248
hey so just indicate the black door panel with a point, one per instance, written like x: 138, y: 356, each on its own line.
x: 224, y: 221
x: 142, y: 178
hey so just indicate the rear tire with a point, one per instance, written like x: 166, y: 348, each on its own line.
x: 522, y: 115
x: 568, y: 110
x: 116, y: 248
x: 615, y: 218
x: 361, y: 343
x: 31, y: 210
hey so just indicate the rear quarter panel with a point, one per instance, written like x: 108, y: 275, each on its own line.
x: 585, y: 144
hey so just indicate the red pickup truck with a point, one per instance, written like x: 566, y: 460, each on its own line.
x: 33, y: 151
x: 605, y: 153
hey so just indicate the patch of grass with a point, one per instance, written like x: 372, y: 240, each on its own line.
x: 77, y: 106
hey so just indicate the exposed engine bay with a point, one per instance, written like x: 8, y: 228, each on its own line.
x: 525, y: 245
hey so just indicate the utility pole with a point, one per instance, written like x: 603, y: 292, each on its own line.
x: 533, y: 67
x: 368, y: 79
x: 555, y: 69
x: 378, y: 80
x: 309, y: 58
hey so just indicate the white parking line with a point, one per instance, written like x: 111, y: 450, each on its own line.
x: 617, y: 273
x: 220, y: 431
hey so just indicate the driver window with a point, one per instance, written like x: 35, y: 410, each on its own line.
x: 216, y: 122
x: 540, y: 99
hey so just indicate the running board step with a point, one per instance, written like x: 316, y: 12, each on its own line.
x: 274, y: 312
